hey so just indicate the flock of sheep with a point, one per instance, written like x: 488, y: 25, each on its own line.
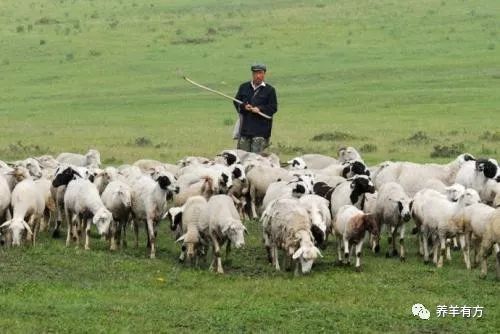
x: 299, y: 204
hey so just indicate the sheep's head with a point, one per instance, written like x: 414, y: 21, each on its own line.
x: 362, y: 184
x: 225, y: 182
x: 33, y: 167
x: 235, y: 231
x: 238, y: 172
x: 297, y: 163
x: 306, y: 255
x: 65, y: 176
x: 47, y: 161
x: 348, y: 154
x: 168, y: 182
x: 454, y: 192
x: 230, y: 158
x: 174, y: 215
x: 17, y: 227
x: 489, y: 167
x: 470, y: 197
x: 93, y: 158
x: 404, y: 208
x: 191, y: 244
x: 102, y: 219
x: 20, y: 173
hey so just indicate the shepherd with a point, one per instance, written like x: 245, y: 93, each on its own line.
x: 253, y: 131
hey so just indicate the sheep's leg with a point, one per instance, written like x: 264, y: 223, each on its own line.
x: 268, y: 247
x: 69, y: 222
x: 464, y: 244
x: 456, y: 245
x: 402, y: 252
x: 32, y: 224
x: 151, y: 237
x: 296, y: 271
x: 486, y: 248
x: 435, y: 247
x: 359, y: 247
x: 448, y: 249
x: 442, y: 241
x: 136, y: 232
x: 228, y: 250
x: 123, y: 228
x: 497, y: 251
x: 339, y: 249
x: 476, y: 245
x: 420, y: 244
x: 275, y: 257
x: 88, y: 225
x: 346, y: 251
x: 216, y: 253
x: 113, y: 231
x: 425, y: 245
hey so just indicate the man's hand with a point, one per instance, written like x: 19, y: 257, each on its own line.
x: 248, y: 107
x: 255, y: 110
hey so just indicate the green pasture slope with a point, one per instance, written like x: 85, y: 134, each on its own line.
x: 397, y: 79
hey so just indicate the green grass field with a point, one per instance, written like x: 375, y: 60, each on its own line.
x: 400, y: 80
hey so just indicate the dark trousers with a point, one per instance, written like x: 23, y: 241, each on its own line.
x: 253, y: 144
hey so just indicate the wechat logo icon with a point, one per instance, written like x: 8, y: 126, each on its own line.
x: 420, y: 311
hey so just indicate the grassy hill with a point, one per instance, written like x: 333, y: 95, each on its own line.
x: 398, y: 79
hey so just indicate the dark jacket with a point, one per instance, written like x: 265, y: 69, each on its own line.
x: 264, y: 97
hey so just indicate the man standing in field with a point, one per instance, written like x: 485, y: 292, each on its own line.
x: 258, y: 98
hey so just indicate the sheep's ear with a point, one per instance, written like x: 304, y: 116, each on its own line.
x: 298, y: 253
x: 27, y: 227
x: 181, y: 238
x: 6, y: 224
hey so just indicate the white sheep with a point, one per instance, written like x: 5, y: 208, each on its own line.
x: 491, y: 237
x: 287, y: 226
x: 413, y: 177
x: 393, y: 209
x: 224, y: 225
x: 117, y: 198
x: 194, y: 236
x: 436, y: 213
x: 27, y: 202
x: 82, y: 202
x: 91, y: 159
x: 318, y: 209
x: 350, y: 226
x: 149, y: 201
x: 351, y: 192
x: 481, y: 175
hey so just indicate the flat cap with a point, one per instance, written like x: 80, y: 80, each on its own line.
x: 258, y: 67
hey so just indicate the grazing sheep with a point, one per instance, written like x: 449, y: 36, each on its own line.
x: 82, y: 202
x: 27, y: 203
x: 224, y: 225
x: 351, y: 192
x: 91, y: 159
x: 287, y: 226
x: 393, y: 209
x: 318, y: 209
x: 350, y: 226
x: 195, y: 231
x: 117, y: 198
x: 491, y: 238
x: 149, y: 201
x: 436, y: 213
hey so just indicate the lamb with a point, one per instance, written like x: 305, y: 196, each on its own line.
x: 287, y: 226
x: 393, y: 208
x: 475, y: 219
x: 350, y: 226
x: 351, y: 192
x: 412, y: 177
x: 27, y: 203
x: 224, y: 225
x: 436, y: 213
x: 491, y: 238
x: 117, y: 198
x: 82, y: 202
x: 149, y: 200
x: 194, y: 229
x: 91, y: 159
